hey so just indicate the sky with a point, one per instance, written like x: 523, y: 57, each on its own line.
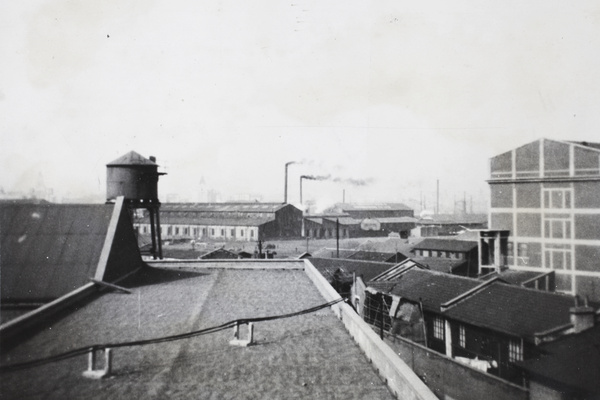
x: 384, y: 98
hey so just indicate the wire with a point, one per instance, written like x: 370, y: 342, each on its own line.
x: 187, y: 335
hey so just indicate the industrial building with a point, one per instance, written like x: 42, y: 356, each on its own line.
x: 225, y: 221
x: 357, y: 221
x: 545, y: 214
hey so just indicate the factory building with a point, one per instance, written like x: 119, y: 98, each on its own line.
x: 545, y: 214
x: 225, y: 221
x: 356, y: 221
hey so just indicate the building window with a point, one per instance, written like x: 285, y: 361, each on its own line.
x: 233, y: 232
x: 169, y: 231
x: 515, y: 351
x: 557, y: 256
x: 461, y: 336
x: 557, y: 198
x: 177, y: 231
x: 242, y: 233
x: 438, y: 328
x: 251, y: 233
x: 185, y: 231
x: 557, y: 228
x: 212, y: 232
x: 222, y: 232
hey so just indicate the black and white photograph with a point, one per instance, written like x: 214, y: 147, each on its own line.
x: 300, y: 199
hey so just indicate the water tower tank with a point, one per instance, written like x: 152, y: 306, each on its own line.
x: 134, y: 177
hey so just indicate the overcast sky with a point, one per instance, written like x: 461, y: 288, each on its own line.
x: 394, y: 94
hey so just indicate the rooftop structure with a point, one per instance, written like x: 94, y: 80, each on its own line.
x: 304, y: 355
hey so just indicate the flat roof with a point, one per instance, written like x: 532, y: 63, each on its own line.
x: 307, y: 356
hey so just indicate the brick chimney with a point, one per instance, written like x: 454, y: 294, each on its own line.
x: 582, y: 316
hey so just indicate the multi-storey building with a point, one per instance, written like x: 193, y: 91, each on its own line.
x: 545, y: 214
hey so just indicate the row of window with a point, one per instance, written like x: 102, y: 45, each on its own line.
x: 185, y: 231
x: 515, y: 347
x: 438, y: 253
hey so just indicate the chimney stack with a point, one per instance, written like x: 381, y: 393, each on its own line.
x: 582, y: 317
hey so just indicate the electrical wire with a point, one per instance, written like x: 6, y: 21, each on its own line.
x: 187, y: 335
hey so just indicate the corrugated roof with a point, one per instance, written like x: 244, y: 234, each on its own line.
x: 131, y: 158
x: 445, y: 245
x: 365, y: 269
x: 514, y: 310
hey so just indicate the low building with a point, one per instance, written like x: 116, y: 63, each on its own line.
x: 226, y: 221
x: 459, y: 257
x: 357, y: 221
x: 448, y: 224
x: 491, y: 325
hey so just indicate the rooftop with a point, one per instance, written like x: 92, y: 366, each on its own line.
x: 307, y: 356
x: 514, y: 310
x: 225, y: 207
x: 429, y: 287
x: 365, y: 269
x: 445, y: 245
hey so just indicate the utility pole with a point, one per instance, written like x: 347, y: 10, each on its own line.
x: 337, y: 236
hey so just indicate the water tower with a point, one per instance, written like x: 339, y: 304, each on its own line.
x: 136, y: 178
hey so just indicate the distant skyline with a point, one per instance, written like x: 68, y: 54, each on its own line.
x: 384, y: 98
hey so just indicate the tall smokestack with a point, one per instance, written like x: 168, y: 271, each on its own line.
x: 286, y: 181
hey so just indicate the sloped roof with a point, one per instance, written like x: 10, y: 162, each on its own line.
x: 513, y: 276
x: 445, y: 245
x: 446, y: 265
x: 219, y: 254
x: 226, y: 207
x: 365, y: 269
x: 430, y: 287
x: 330, y: 252
x: 343, y: 220
x: 211, y: 221
x: 378, y: 256
x: 48, y: 250
x: 131, y: 158
x: 571, y: 361
x: 514, y: 310
x: 397, y: 220
x: 373, y: 207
